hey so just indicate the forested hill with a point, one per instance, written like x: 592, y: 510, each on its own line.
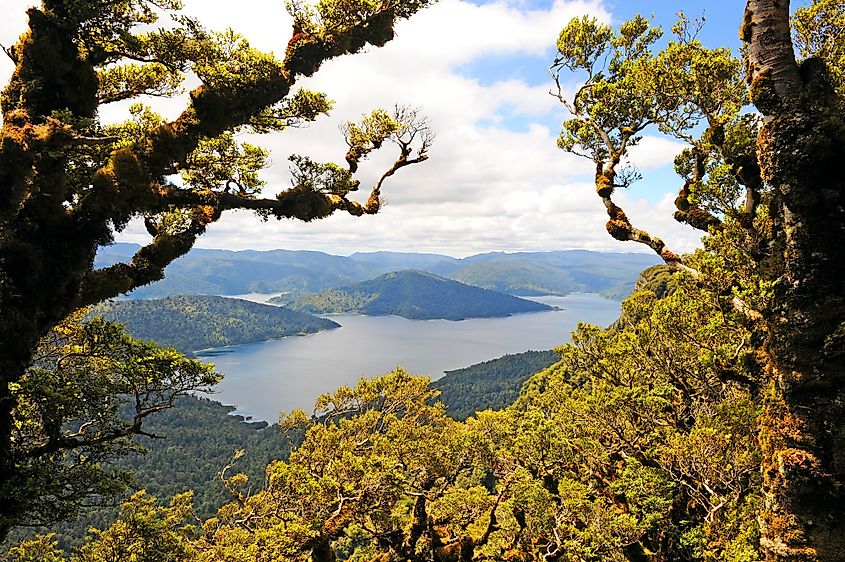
x: 551, y: 273
x: 492, y: 384
x: 224, y: 272
x: 190, y: 323
x: 415, y: 295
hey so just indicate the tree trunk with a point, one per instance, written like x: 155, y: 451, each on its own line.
x: 323, y: 551
x: 800, y: 149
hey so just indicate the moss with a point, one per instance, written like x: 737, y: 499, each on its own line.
x: 620, y: 230
x: 745, y: 29
x: 604, y: 185
x: 306, y: 55
x: 763, y: 94
x: 669, y: 256
x: 682, y: 200
x: 303, y: 203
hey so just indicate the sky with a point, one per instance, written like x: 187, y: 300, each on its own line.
x: 495, y: 180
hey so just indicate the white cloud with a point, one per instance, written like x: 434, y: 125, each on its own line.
x: 488, y: 185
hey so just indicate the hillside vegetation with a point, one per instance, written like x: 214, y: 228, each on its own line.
x: 199, y: 437
x: 191, y: 323
x: 492, y: 384
x: 416, y: 295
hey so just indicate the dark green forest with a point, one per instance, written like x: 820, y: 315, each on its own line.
x: 192, y: 323
x: 492, y: 384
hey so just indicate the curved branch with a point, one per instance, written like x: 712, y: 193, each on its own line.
x: 148, y: 263
x: 688, y: 213
x: 620, y: 228
x: 213, y: 111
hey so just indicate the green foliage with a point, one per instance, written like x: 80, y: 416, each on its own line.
x: 230, y: 62
x: 87, y: 393
x: 416, y: 295
x: 628, y: 87
x: 490, y: 385
x: 43, y: 548
x: 333, y: 17
x: 191, y: 323
x: 224, y: 161
x: 373, y: 449
x: 302, y: 107
x: 328, y: 178
x: 817, y: 31
x: 144, y: 532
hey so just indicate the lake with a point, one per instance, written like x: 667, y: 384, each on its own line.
x: 264, y: 378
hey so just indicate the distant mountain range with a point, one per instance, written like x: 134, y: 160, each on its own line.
x: 413, y: 294
x: 191, y: 323
x: 224, y: 272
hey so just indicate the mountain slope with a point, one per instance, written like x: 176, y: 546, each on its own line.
x: 492, y: 384
x: 189, y: 323
x: 415, y: 295
x: 550, y: 273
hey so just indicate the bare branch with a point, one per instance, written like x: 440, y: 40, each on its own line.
x: 9, y: 53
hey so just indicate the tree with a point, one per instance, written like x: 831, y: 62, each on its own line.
x: 764, y: 187
x: 69, y: 182
x: 144, y: 532
x: 88, y: 392
x: 378, y: 464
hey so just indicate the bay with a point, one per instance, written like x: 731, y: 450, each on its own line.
x: 265, y: 378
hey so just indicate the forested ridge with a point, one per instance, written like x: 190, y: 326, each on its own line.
x: 192, y: 323
x: 490, y: 385
x: 414, y: 295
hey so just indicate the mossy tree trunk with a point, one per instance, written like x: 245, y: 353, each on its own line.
x: 64, y: 193
x: 801, y: 147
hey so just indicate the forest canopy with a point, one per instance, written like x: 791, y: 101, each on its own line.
x: 706, y: 424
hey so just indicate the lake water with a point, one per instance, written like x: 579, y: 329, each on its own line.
x: 264, y: 378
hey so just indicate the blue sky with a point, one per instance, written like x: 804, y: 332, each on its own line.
x: 495, y: 180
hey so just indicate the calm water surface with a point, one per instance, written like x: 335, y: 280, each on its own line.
x: 263, y: 378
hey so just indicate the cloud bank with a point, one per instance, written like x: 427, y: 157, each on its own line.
x: 495, y: 180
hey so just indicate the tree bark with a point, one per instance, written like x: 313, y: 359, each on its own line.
x: 800, y: 149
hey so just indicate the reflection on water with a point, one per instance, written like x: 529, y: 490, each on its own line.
x: 263, y: 378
